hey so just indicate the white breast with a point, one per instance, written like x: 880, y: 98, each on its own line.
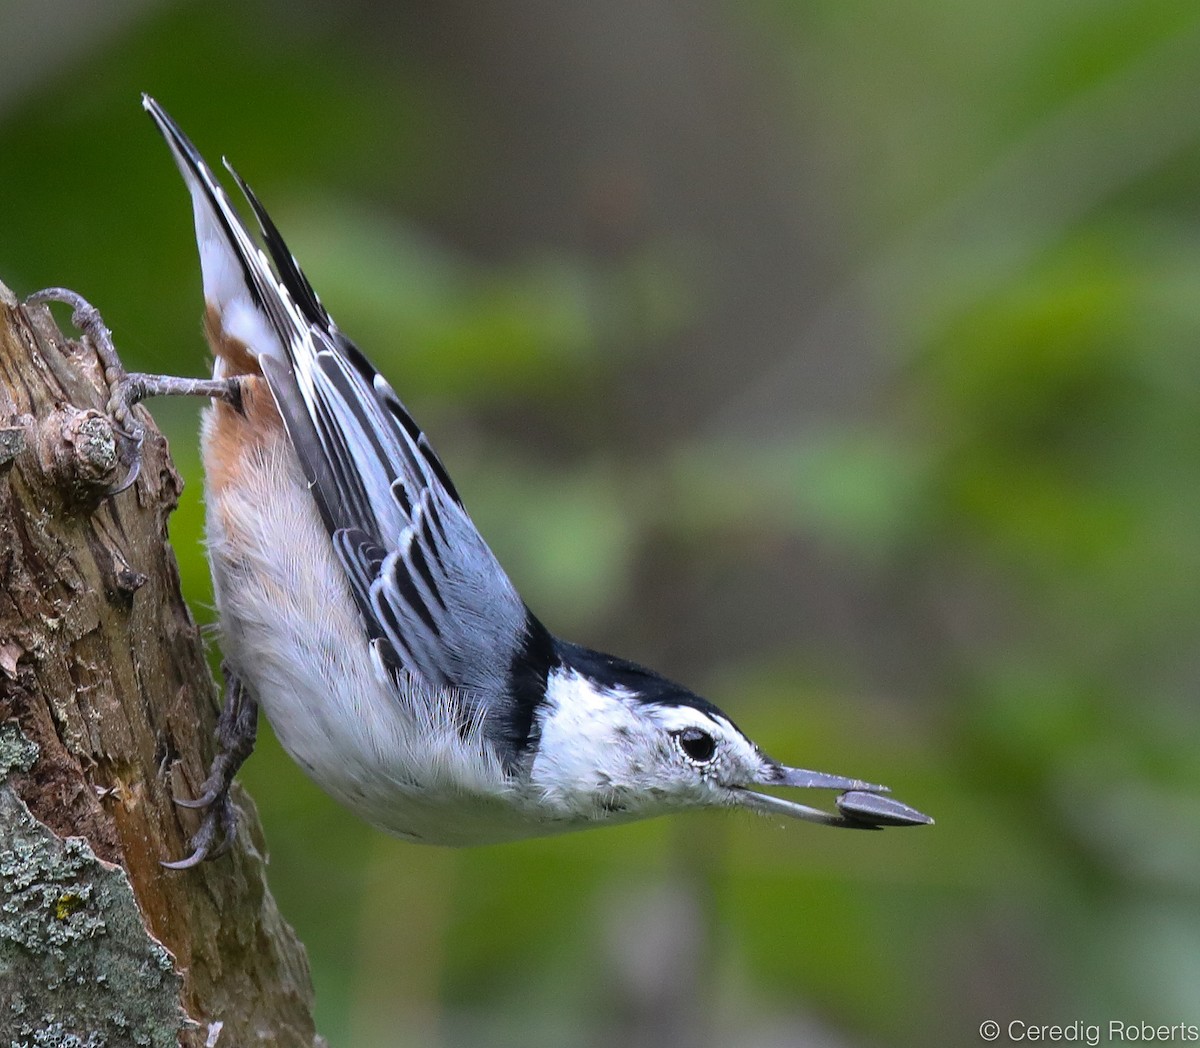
x: 292, y: 632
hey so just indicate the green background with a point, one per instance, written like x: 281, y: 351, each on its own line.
x: 840, y: 359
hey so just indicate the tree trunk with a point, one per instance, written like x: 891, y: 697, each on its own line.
x: 107, y: 709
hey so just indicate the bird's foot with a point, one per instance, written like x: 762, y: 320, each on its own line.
x: 129, y: 388
x: 237, y: 728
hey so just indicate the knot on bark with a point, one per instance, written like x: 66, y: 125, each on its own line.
x: 79, y: 451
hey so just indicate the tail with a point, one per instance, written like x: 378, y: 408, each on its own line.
x: 257, y: 321
x: 239, y: 285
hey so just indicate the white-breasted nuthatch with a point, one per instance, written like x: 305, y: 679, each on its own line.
x: 362, y: 609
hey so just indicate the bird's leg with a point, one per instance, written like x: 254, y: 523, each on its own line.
x: 128, y: 388
x: 237, y: 728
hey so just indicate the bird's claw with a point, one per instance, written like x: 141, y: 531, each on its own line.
x: 122, y: 393
x: 126, y: 389
x: 205, y: 800
x: 236, y: 730
x: 215, y: 836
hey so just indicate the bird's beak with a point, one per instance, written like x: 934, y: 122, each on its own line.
x: 861, y: 805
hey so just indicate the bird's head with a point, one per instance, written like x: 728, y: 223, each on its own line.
x: 619, y: 742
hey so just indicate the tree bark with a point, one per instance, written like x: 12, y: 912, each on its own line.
x: 107, y: 709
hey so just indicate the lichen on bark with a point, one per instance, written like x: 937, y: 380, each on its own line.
x: 77, y: 964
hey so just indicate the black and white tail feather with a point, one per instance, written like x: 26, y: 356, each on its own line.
x: 435, y: 602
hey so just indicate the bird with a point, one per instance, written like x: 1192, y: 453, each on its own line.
x: 360, y: 607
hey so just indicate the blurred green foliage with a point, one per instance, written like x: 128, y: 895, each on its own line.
x: 936, y: 526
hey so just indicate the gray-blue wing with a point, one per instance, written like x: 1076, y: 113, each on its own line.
x: 428, y: 584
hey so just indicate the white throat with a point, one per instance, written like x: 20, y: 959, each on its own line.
x: 588, y: 733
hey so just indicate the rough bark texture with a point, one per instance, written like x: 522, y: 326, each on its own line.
x: 107, y: 708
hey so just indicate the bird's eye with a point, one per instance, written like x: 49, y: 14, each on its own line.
x: 697, y: 744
